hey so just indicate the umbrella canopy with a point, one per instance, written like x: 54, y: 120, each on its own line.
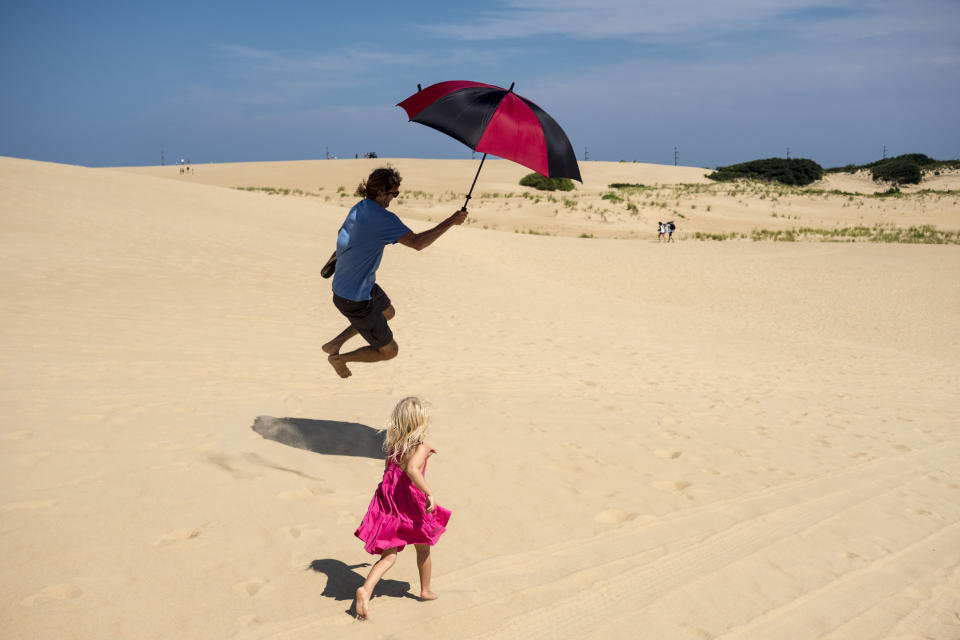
x: 494, y: 120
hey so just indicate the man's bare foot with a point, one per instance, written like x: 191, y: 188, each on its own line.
x: 362, y: 604
x: 428, y: 595
x: 339, y: 367
x: 331, y: 348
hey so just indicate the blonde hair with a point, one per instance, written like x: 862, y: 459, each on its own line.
x: 406, y: 427
x: 380, y: 181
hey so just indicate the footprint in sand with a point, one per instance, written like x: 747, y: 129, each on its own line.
x: 300, y: 531
x: 303, y: 494
x: 28, y: 505
x: 667, y: 455
x: 32, y: 458
x: 293, y: 532
x: 295, y: 401
x: 64, y: 591
x: 612, y: 516
x: 250, y: 587
x: 671, y: 485
x: 166, y: 445
x: 14, y: 436
x: 178, y: 535
x: 87, y: 447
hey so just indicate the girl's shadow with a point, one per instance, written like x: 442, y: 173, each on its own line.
x: 343, y: 581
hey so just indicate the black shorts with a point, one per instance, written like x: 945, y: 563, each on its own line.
x: 367, y: 316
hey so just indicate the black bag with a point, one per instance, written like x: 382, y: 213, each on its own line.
x: 330, y: 267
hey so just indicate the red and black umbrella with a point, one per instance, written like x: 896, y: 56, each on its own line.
x: 493, y: 120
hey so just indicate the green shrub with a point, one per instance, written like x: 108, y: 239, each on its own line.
x: 900, y: 170
x: 791, y: 171
x: 543, y: 183
x: 905, y: 169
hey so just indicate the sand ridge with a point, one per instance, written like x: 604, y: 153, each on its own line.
x: 729, y: 440
x: 433, y: 188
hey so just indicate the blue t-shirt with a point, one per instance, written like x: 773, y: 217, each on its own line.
x: 366, y: 231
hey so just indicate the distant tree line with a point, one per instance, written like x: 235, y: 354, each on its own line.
x: 908, y: 168
x: 792, y: 171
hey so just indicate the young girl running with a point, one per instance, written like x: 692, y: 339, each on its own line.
x: 403, y: 510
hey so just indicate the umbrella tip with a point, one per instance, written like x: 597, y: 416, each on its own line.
x: 511, y: 86
x: 419, y: 88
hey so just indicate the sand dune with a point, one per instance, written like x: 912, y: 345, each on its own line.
x: 699, y: 440
x: 433, y: 188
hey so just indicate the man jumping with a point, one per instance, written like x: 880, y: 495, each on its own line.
x: 368, y: 228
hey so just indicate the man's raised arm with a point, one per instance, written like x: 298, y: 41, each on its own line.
x: 424, y: 239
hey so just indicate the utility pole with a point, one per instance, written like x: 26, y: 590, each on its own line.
x: 884, y: 152
x: 586, y: 154
x: 163, y: 160
x: 788, y: 153
x: 676, y: 156
x: 326, y: 150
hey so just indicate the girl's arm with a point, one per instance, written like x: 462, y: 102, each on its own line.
x: 413, y: 469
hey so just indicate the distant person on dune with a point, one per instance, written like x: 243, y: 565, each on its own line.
x: 368, y: 228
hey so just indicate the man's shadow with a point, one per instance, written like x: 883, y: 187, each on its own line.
x: 330, y: 437
x: 343, y: 582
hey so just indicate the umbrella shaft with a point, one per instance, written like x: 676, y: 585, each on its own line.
x: 467, y: 201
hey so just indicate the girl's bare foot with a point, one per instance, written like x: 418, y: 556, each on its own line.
x: 362, y: 604
x: 339, y: 367
x: 428, y: 595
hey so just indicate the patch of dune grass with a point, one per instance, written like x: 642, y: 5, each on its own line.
x: 700, y: 235
x: 924, y: 234
x: 278, y: 191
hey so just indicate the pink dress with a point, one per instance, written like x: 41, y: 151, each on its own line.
x: 397, y: 515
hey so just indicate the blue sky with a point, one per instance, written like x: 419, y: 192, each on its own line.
x: 114, y: 83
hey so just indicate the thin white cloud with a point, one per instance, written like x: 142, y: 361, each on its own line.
x: 253, y: 80
x: 695, y: 21
x: 351, y: 61
x: 600, y: 19
x: 342, y: 61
